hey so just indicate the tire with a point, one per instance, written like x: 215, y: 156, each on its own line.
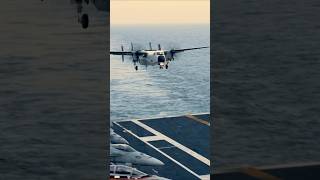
x: 85, y: 21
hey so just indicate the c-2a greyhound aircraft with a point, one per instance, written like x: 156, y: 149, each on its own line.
x: 83, y: 18
x: 152, y: 57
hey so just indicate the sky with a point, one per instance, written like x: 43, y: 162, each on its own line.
x: 160, y: 12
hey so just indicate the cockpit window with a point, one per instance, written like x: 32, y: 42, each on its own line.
x: 126, y: 170
x: 139, y: 173
x: 125, y: 148
x: 130, y: 149
x: 123, y: 170
x: 161, y: 59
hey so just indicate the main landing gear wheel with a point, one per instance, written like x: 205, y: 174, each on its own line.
x: 167, y: 66
x: 85, y: 21
x: 136, y: 68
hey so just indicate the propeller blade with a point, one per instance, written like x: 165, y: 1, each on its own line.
x: 137, y: 58
x: 150, y: 46
x: 159, y: 46
x: 132, y: 47
x: 172, y: 54
x: 122, y: 51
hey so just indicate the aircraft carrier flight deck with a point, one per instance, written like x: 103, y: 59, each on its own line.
x: 181, y: 143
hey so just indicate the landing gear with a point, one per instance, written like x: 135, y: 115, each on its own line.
x: 136, y: 68
x: 167, y: 66
x: 85, y: 21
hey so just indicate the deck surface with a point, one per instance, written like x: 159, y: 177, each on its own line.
x: 277, y: 172
x: 182, y: 143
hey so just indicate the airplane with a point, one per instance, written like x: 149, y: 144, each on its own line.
x: 130, y: 173
x: 151, y: 56
x: 83, y: 18
x: 123, y: 153
x: 117, y: 139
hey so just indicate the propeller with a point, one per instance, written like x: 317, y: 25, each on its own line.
x: 135, y: 53
x: 132, y: 49
x: 122, y: 51
x: 159, y: 46
x: 172, y: 54
x: 150, y: 46
x: 172, y: 47
x: 138, y: 58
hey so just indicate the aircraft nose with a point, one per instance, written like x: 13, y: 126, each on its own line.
x: 147, y: 160
x: 155, y: 162
x: 118, y: 140
x: 123, y: 141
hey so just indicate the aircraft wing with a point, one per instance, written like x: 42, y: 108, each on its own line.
x: 120, y: 53
x: 129, y: 53
x: 187, y: 49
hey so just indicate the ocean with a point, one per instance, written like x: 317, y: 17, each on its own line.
x: 266, y: 88
x: 53, y: 100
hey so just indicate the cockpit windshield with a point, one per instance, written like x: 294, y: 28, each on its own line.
x: 161, y: 59
x: 138, y: 173
x: 125, y: 148
x: 126, y: 170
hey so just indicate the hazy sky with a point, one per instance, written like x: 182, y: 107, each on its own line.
x: 160, y: 11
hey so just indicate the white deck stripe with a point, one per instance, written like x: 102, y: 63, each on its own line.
x: 173, y: 142
x: 151, y: 138
x: 161, y: 152
x: 205, y: 177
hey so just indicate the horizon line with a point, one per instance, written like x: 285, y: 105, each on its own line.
x: 193, y: 23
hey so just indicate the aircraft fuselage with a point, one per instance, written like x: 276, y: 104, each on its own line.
x: 153, y: 57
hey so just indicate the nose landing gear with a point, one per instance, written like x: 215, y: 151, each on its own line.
x: 84, y: 20
x: 136, y: 68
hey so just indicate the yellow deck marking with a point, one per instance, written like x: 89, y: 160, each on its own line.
x: 254, y: 172
x: 197, y: 119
